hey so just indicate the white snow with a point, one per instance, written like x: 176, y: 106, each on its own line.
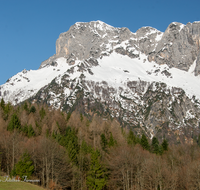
x: 181, y: 27
x: 102, y: 26
x: 115, y: 69
x: 32, y: 81
x: 152, y: 31
x: 159, y: 37
x: 111, y: 69
x: 192, y: 67
x: 189, y: 114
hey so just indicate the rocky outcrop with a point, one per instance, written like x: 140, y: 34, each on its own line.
x: 96, y: 39
x: 179, y: 46
x: 139, y: 105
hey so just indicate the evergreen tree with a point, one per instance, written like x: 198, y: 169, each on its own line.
x: 13, y: 172
x: 112, y: 141
x: 47, y: 133
x: 31, y: 131
x: 70, y: 142
x: 104, y: 142
x: 53, y: 135
x: 96, y: 178
x: 137, y: 140
x: 42, y: 113
x: 25, y: 166
x: 165, y: 145
x: 155, y: 146
x: 2, y: 104
x: 73, y: 151
x: 7, y: 110
x: 161, y: 149
x: 85, y: 148
x: 81, y: 117
x: 144, y: 142
x: 26, y: 107
x: 14, y: 123
x: 25, y: 129
x: 33, y: 109
x: 131, y: 139
x: 68, y: 115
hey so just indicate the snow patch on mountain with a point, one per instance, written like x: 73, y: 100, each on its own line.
x: 27, y: 83
x: 117, y: 70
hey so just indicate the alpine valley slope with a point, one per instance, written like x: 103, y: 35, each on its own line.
x: 148, y: 80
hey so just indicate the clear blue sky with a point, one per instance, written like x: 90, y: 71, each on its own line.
x: 29, y: 28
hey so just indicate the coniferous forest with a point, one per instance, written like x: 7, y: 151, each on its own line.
x: 74, y: 151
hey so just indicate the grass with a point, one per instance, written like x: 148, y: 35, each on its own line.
x: 18, y: 186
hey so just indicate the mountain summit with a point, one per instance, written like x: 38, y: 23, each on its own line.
x: 148, y: 80
x: 95, y: 39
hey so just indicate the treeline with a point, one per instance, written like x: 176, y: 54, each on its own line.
x: 69, y: 151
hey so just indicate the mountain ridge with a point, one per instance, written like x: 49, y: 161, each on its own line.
x: 147, y: 79
x: 115, y: 35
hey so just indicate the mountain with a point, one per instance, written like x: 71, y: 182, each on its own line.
x: 148, y: 80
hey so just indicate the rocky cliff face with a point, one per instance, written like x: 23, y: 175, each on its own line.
x: 177, y: 47
x: 153, y: 108
x: 148, y: 80
x: 95, y: 39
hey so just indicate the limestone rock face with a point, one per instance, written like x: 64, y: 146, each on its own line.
x: 147, y: 39
x: 85, y: 40
x: 95, y: 39
x: 197, y: 68
x: 179, y: 46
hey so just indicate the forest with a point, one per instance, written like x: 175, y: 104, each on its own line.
x: 75, y: 152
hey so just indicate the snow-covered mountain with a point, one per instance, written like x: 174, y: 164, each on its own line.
x: 149, y: 80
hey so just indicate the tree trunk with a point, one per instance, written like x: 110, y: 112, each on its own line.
x: 47, y: 173
x: 13, y: 153
x: 43, y: 170
x: 52, y: 166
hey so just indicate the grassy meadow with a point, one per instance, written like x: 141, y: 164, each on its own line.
x: 18, y: 186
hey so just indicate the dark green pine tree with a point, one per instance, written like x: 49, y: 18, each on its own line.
x: 33, y: 109
x: 31, y: 131
x: 7, y: 110
x: 68, y: 115
x: 14, y: 123
x: 104, y: 142
x: 26, y: 106
x: 85, y: 149
x: 96, y: 178
x: 42, y: 113
x: 155, y: 145
x: 144, y: 142
x: 25, y: 166
x: 112, y: 141
x: 131, y: 139
x: 25, y: 129
x: 2, y: 104
x: 165, y: 145
x: 71, y: 143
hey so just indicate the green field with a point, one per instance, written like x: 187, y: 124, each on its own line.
x: 18, y: 186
